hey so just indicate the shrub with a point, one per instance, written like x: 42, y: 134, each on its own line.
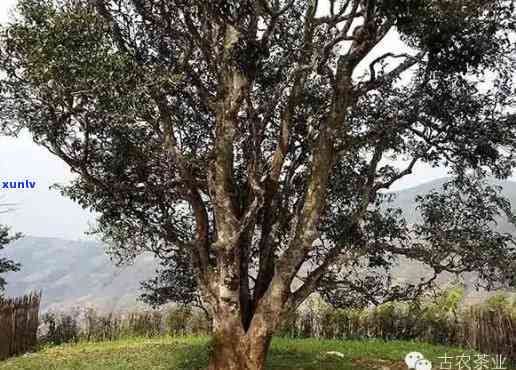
x: 182, y: 320
x: 58, y: 328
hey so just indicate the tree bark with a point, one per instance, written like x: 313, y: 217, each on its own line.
x: 234, y: 352
x: 238, y: 355
x: 234, y: 349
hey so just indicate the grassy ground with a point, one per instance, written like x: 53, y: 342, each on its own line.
x: 192, y: 353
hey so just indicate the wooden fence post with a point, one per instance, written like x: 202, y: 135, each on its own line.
x: 19, y: 320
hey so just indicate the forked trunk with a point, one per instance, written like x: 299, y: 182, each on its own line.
x: 242, y: 354
x: 234, y: 350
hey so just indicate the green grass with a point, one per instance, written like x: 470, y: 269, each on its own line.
x: 192, y: 353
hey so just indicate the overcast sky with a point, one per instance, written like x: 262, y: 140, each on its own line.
x: 44, y: 212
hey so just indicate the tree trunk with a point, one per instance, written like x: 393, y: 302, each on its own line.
x: 235, y: 350
x: 229, y: 354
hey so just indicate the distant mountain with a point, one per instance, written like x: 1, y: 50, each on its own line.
x: 413, y: 271
x: 405, y: 199
x: 78, y: 273
x: 75, y: 273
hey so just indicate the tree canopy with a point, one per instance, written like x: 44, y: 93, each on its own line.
x: 6, y: 265
x: 256, y: 139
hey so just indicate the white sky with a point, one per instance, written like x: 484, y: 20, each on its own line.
x: 44, y: 212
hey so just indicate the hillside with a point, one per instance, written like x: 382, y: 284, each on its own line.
x: 405, y: 199
x: 72, y: 273
x: 78, y: 273
x: 411, y: 271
